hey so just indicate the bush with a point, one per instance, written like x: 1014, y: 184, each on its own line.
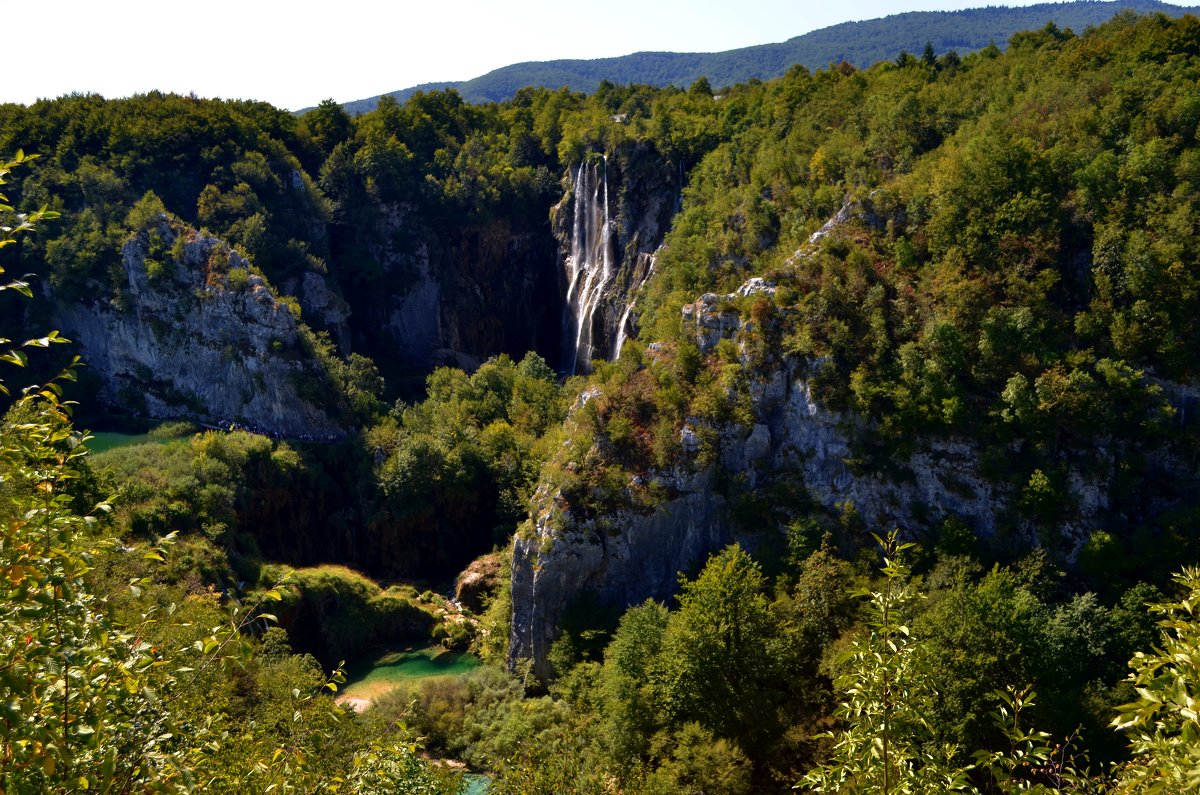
x: 237, y: 279
x: 337, y: 614
x: 147, y: 213
x: 173, y: 430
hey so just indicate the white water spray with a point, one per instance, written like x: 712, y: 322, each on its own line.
x: 589, y: 266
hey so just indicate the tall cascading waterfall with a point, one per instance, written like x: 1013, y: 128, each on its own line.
x: 589, y: 266
x: 609, y: 228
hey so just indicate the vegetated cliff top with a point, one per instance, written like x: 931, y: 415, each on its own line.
x: 860, y: 43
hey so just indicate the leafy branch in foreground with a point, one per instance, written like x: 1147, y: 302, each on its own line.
x: 890, y: 747
x: 12, y: 224
x: 1163, y: 724
x: 24, y: 222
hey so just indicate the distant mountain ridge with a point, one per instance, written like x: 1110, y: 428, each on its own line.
x: 860, y: 43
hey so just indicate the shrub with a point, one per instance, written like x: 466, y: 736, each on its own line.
x: 337, y: 614
x: 174, y: 430
x: 237, y: 278
x: 146, y: 213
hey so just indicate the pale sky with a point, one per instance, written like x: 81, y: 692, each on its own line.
x: 294, y: 54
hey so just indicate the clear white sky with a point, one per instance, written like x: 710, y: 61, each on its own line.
x: 294, y: 54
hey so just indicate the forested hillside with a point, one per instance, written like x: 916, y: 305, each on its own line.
x: 860, y: 43
x: 892, y: 486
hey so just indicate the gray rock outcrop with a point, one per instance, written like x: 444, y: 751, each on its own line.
x: 324, y: 305
x: 196, y: 335
x: 629, y: 557
x: 475, y: 585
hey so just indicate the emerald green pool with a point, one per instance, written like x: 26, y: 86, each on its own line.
x: 103, y: 441
x: 371, y: 678
x: 475, y: 784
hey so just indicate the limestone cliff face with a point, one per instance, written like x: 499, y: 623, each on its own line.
x: 498, y: 290
x: 623, y: 562
x: 194, y: 335
x: 323, y: 307
x: 627, y: 558
x: 624, y: 558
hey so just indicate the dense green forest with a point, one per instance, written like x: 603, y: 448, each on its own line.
x: 1010, y: 270
x: 859, y: 43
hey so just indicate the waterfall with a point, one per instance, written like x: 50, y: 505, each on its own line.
x: 623, y: 324
x: 589, y: 266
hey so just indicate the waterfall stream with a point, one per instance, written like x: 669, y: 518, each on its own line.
x: 589, y: 266
x: 623, y: 325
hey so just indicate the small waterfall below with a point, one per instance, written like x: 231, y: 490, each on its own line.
x: 624, y: 325
x: 589, y: 267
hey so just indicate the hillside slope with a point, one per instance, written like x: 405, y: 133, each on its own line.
x: 935, y: 297
x: 861, y: 43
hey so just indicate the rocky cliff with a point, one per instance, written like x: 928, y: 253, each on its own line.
x: 627, y: 558
x: 195, y: 334
x: 791, y: 442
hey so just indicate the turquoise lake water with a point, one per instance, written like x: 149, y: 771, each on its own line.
x: 103, y: 441
x: 475, y: 784
x: 371, y: 677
